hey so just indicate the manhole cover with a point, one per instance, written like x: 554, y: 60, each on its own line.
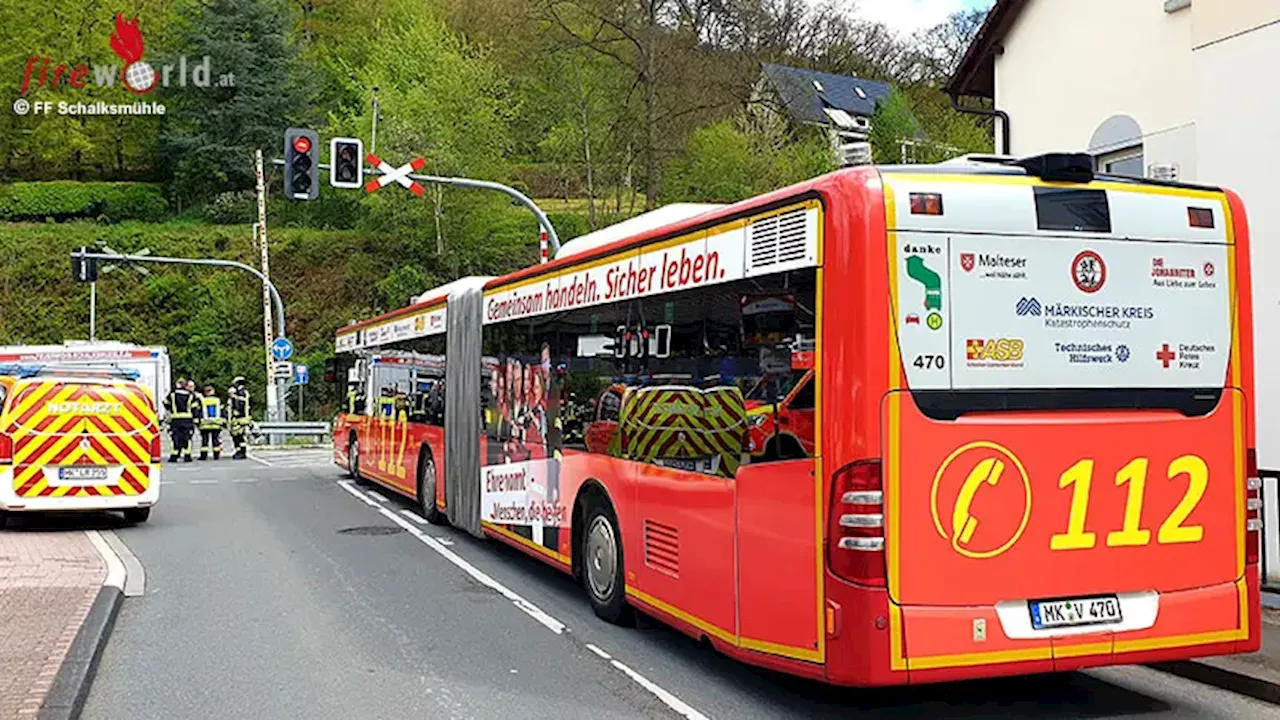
x: 371, y: 530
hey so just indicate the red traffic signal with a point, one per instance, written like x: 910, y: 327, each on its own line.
x: 301, y: 164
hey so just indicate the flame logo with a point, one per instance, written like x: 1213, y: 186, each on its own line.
x: 126, y: 41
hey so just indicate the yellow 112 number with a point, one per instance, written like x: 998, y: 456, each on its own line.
x: 1080, y: 476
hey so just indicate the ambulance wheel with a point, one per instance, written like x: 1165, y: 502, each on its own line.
x: 353, y: 460
x: 4, y: 519
x: 427, y: 487
x: 137, y: 516
x: 602, y: 572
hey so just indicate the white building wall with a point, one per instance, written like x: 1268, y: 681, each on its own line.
x: 1068, y: 66
x: 1238, y: 131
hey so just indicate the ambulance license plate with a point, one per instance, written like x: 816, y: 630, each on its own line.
x: 82, y: 474
x: 1100, y: 610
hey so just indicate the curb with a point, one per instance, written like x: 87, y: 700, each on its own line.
x: 71, y: 685
x: 1239, y: 683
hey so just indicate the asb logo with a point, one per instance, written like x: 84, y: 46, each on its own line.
x: 981, y: 500
x: 1088, y: 271
x: 1030, y: 306
x: 967, y: 261
x: 999, y: 350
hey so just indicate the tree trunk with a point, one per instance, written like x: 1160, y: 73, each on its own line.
x: 651, y: 172
x: 586, y: 148
x: 439, y: 213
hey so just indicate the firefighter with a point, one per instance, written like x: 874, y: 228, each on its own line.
x: 241, y: 420
x: 181, y: 405
x: 387, y: 404
x: 211, y: 423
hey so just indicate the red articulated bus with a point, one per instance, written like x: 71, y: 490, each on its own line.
x: 1029, y: 448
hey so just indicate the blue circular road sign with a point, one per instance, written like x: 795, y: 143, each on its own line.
x: 282, y: 349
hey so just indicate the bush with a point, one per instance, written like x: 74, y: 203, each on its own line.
x: 69, y: 200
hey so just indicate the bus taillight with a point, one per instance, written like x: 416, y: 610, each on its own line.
x: 1253, y: 506
x: 855, y: 530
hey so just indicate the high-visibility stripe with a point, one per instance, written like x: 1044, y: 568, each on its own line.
x: 43, y: 411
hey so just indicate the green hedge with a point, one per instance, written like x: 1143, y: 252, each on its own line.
x: 69, y: 200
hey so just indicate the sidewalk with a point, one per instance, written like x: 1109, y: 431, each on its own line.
x: 48, y: 582
x: 1256, y: 674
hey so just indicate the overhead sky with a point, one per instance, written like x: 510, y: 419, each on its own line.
x: 907, y: 16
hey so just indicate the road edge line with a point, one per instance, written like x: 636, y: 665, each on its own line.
x: 1212, y: 675
x: 71, y: 684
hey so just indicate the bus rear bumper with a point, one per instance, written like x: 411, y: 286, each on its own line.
x: 942, y: 644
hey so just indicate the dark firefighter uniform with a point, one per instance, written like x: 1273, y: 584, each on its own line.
x: 241, y: 421
x: 182, y: 408
x: 212, y: 421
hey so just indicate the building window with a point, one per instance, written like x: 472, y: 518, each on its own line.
x: 1122, y: 162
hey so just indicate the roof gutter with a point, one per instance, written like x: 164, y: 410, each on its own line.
x: 993, y: 113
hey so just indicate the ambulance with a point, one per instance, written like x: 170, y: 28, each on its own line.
x: 77, y: 439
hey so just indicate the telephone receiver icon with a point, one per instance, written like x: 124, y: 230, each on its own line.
x: 963, y: 524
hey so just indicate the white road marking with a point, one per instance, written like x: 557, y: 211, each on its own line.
x: 168, y: 482
x: 115, y: 567
x: 204, y: 482
x: 283, y: 479
x: 135, y: 576
x: 671, y: 701
x: 414, y: 516
x: 444, y: 541
x: 479, y: 576
x: 244, y: 480
x: 376, y: 495
x: 439, y: 545
x: 257, y: 459
x: 599, y: 652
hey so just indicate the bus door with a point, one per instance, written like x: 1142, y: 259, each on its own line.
x: 1068, y: 450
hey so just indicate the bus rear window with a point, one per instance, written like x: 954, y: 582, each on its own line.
x: 1002, y: 323
x: 1072, y: 210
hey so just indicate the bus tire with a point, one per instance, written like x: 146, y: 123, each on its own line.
x: 137, y: 516
x: 602, y: 568
x: 353, y: 460
x: 427, y: 487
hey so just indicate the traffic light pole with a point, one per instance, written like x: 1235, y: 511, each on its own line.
x: 272, y: 410
x: 543, y: 221
x: 276, y: 302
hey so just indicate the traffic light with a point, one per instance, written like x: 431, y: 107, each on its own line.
x: 301, y: 164
x: 83, y: 269
x: 346, y: 163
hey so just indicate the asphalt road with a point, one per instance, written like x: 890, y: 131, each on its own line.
x: 277, y: 592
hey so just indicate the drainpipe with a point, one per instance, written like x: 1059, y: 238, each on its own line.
x: 995, y: 113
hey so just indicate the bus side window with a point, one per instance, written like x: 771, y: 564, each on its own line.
x: 803, y: 399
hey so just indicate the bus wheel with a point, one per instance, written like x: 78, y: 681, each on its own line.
x: 602, y: 565
x: 427, y: 487
x: 353, y: 461
x: 137, y: 516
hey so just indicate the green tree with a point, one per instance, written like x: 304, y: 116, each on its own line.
x: 209, y: 139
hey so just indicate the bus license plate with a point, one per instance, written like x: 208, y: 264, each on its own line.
x: 1102, y: 610
x: 82, y: 474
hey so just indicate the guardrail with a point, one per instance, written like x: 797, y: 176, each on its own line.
x: 276, y: 430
